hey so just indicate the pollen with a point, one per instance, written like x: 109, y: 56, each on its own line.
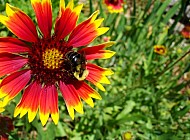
x: 52, y: 58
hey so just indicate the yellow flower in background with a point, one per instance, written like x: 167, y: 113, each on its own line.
x: 114, y: 6
x: 160, y: 49
x: 127, y: 136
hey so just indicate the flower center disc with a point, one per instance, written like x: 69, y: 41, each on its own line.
x: 52, y: 58
x: 48, y: 63
x: 114, y: 2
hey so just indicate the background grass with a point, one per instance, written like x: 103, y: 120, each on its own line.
x: 149, y: 93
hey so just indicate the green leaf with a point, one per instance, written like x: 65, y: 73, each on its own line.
x: 171, y: 12
x: 162, y: 8
x: 127, y: 109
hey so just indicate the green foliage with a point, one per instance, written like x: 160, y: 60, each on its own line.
x: 148, y: 95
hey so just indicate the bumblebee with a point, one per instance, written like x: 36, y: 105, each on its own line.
x: 77, y: 62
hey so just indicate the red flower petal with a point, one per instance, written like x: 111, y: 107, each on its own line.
x: 102, y: 54
x: 43, y: 11
x: 67, y: 17
x: 102, y: 71
x: 29, y: 102
x: 97, y: 75
x: 49, y: 104
x: 12, y: 45
x: 186, y: 32
x: 10, y: 63
x: 86, y: 31
x: 94, y: 79
x: 97, y: 52
x: 19, y: 23
x: 71, y: 98
x: 13, y: 84
x: 86, y: 92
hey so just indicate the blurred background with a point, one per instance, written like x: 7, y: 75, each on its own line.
x: 148, y: 98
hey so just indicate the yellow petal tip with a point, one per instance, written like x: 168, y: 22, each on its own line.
x: 108, y: 54
x: 79, y: 108
x: 78, y: 9
x: 31, y: 116
x: 90, y: 102
x: 100, y: 86
x: 71, y: 112
x: 44, y: 118
x: 70, y: 5
x: 108, y: 72
x: 95, y: 95
x: 1, y: 110
x: 102, y: 30
x: 110, y: 43
x: 55, y: 118
x: 104, y: 80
